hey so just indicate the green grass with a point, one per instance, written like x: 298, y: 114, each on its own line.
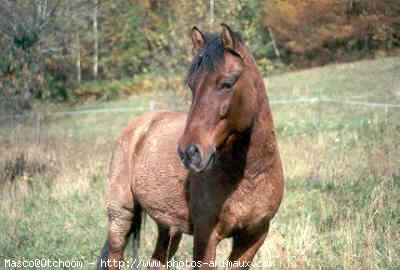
x: 341, y: 208
x: 369, y: 80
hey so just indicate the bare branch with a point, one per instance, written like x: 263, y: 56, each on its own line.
x: 6, y: 35
x: 49, y: 16
x: 7, y: 16
x: 15, y: 14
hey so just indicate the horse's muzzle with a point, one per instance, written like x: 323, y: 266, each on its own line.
x: 196, y: 160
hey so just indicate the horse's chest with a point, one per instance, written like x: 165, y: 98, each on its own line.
x: 231, y: 207
x: 244, y: 209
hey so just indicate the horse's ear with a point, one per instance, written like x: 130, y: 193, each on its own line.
x: 229, y: 40
x: 198, y: 39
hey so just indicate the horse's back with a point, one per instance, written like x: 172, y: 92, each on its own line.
x: 157, y: 178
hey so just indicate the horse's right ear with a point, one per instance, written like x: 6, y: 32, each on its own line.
x: 198, y: 39
x: 229, y: 40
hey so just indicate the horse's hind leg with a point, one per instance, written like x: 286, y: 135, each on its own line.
x: 121, y: 224
x: 167, y: 244
x: 123, y: 211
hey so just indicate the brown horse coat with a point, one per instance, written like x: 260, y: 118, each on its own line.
x: 234, y: 184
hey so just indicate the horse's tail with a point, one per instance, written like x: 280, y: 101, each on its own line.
x: 135, y: 229
x: 102, y: 260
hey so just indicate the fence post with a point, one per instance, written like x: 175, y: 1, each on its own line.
x: 37, y: 127
x: 151, y: 105
x: 320, y: 110
x: 12, y: 125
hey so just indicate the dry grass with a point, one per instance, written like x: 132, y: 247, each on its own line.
x: 341, y: 208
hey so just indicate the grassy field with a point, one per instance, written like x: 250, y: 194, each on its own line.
x: 341, y: 208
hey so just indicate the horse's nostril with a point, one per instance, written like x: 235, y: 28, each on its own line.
x: 193, y: 154
x: 181, y: 154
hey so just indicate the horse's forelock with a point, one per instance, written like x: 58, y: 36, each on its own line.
x: 208, y: 57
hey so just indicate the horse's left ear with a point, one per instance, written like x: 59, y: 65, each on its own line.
x: 198, y: 39
x: 229, y: 39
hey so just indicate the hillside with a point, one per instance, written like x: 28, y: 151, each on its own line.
x: 341, y: 205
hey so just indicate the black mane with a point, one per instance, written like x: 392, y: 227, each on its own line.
x: 209, y: 56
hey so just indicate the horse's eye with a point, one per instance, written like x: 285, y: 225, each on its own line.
x: 225, y: 86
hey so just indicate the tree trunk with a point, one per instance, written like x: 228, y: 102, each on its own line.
x: 366, y: 43
x: 78, y: 59
x: 271, y: 35
x: 96, y: 42
x: 211, y: 13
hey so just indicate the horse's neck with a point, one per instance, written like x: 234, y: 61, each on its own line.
x: 262, y: 149
x: 254, y: 151
x: 263, y: 145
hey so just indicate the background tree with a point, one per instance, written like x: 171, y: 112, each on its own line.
x: 58, y: 50
x: 37, y: 40
x: 322, y: 31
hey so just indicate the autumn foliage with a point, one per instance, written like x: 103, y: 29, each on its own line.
x: 61, y: 50
x: 325, y: 30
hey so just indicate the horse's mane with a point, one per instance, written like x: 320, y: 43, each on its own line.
x: 209, y: 56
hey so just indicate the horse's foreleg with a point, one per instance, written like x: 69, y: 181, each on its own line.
x: 245, y: 246
x: 167, y: 245
x: 204, y: 248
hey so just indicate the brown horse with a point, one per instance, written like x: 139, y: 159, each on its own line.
x: 233, y: 182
